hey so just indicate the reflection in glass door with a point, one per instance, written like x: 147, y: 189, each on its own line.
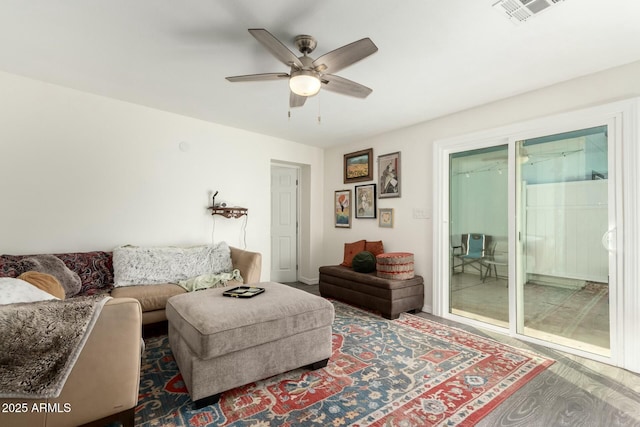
x: 563, y: 218
x: 478, y: 209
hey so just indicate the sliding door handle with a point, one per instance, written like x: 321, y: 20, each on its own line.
x: 609, y: 240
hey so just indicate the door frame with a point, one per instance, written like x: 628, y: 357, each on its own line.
x: 298, y: 207
x: 622, y: 118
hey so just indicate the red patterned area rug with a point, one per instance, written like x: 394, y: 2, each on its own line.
x: 405, y: 372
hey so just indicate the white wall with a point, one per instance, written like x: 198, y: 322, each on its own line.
x: 80, y: 172
x: 415, y: 144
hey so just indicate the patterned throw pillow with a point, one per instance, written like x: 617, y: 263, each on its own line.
x: 94, y: 268
x: 351, y: 250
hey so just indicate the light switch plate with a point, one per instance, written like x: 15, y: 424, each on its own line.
x: 420, y: 213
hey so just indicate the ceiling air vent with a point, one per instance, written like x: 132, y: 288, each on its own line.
x: 521, y: 10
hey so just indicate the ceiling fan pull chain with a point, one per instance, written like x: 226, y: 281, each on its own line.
x: 319, y: 115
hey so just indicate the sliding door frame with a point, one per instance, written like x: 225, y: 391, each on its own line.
x: 622, y: 119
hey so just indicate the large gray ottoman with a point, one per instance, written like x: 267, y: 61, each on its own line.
x: 221, y: 343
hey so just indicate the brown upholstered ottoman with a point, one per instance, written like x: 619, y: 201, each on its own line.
x: 389, y: 297
x: 221, y: 343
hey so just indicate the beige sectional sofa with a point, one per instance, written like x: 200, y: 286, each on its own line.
x: 103, y: 384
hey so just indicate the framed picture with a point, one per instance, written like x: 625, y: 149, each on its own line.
x: 366, y: 201
x: 386, y: 218
x: 389, y: 175
x: 358, y: 166
x: 342, y: 208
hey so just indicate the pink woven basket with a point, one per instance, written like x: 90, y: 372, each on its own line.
x: 395, y: 265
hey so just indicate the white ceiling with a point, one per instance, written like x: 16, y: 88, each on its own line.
x: 434, y: 58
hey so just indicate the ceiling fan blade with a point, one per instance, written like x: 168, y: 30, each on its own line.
x: 345, y: 87
x: 344, y: 56
x: 296, y: 100
x: 276, y: 47
x: 258, y: 77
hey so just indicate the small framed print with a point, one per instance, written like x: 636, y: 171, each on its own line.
x: 389, y: 175
x: 366, y: 201
x: 342, y: 209
x: 385, y: 218
x: 358, y: 166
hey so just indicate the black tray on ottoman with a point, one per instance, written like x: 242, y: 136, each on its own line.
x: 243, y: 292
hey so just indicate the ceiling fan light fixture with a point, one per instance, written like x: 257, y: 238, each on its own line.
x: 304, y: 83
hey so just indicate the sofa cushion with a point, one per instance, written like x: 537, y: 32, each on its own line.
x: 151, y: 297
x: 45, y: 282
x: 351, y: 250
x: 54, y: 266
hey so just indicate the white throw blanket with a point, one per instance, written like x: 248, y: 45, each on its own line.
x: 134, y: 265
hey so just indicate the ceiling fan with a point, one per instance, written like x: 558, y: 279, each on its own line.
x: 307, y: 75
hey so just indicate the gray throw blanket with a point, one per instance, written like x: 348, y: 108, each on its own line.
x: 40, y: 343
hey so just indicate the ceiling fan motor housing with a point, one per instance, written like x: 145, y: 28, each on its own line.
x: 305, y: 44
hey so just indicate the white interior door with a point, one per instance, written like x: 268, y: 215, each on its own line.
x: 284, y: 220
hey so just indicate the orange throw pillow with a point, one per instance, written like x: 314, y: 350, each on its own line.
x: 45, y: 282
x: 351, y: 250
x: 376, y: 248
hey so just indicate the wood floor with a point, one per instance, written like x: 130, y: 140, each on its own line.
x: 573, y: 392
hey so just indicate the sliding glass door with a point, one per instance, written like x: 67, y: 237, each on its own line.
x: 546, y: 273
x: 563, y: 219
x: 478, y: 230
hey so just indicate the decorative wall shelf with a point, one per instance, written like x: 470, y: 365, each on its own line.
x: 228, y: 212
